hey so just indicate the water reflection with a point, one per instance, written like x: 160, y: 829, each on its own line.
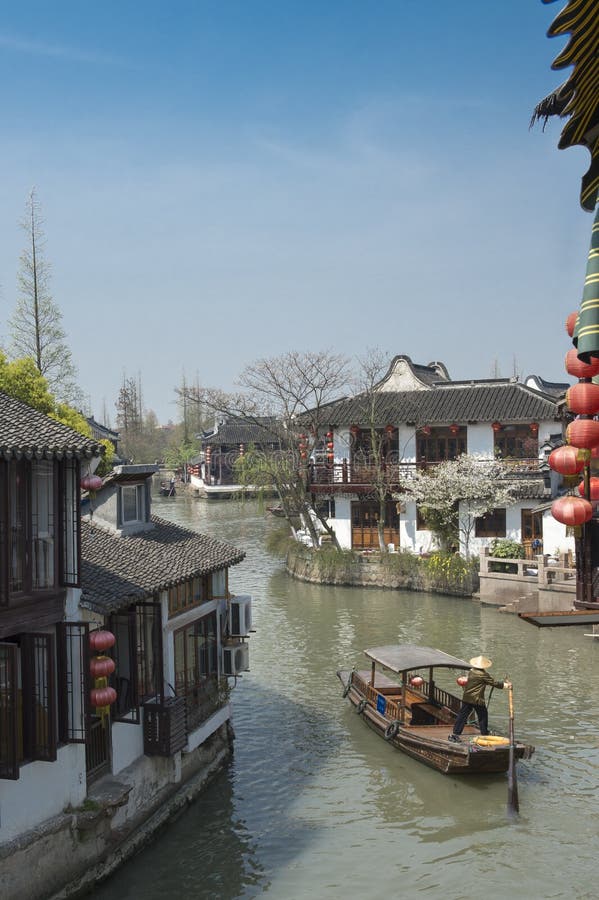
x: 315, y: 805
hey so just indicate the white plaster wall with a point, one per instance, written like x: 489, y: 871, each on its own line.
x: 548, y: 427
x: 409, y: 537
x: 127, y: 744
x: 201, y: 734
x: 341, y: 444
x: 43, y: 790
x: 554, y: 535
x: 406, y: 438
x: 480, y: 440
x: 342, y: 521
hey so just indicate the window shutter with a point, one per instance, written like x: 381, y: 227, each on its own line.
x: 39, y: 696
x: 70, y: 537
x: 123, y: 626
x: 9, y: 766
x: 74, y: 681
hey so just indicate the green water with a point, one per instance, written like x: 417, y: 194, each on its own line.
x: 314, y: 805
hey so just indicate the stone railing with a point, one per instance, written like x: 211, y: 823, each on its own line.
x: 530, y: 584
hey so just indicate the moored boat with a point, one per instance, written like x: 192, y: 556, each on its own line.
x: 416, y: 715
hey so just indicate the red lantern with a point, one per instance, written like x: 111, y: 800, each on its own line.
x: 101, y: 666
x: 454, y: 428
x: 329, y: 435
x: 426, y: 429
x: 101, y: 640
x: 593, y: 488
x: 534, y: 427
x: 462, y: 680
x: 567, y: 460
x: 102, y: 696
x: 355, y: 430
x: 416, y: 681
x: 571, y: 323
x: 583, y: 398
x: 583, y: 433
x: 579, y: 369
x: 496, y: 426
x: 571, y: 510
x: 91, y: 483
x: 389, y: 429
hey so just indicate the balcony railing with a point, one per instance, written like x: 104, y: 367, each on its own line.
x: 359, y: 475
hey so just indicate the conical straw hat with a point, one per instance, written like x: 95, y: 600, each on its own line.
x: 481, y: 662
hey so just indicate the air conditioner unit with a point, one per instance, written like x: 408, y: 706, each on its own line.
x: 240, y: 616
x: 236, y: 659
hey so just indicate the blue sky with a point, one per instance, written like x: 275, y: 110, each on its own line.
x: 224, y: 181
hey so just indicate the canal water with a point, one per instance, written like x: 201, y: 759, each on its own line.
x: 315, y: 805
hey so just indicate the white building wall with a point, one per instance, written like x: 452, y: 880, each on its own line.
x: 406, y: 439
x: 409, y: 537
x: 342, y: 521
x: 480, y: 440
x: 127, y: 744
x: 341, y: 444
x: 555, y: 539
x: 43, y: 790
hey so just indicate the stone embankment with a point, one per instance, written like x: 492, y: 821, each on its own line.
x: 394, y: 571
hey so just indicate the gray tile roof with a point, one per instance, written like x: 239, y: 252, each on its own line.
x: 26, y: 432
x: 117, y: 570
x: 507, y: 402
x: 530, y: 489
x: 239, y: 431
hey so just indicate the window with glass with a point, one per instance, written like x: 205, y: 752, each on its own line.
x: 189, y: 593
x: 516, y: 442
x: 31, y: 522
x: 442, y: 444
x: 133, y: 503
x: 196, y: 667
x: 493, y: 524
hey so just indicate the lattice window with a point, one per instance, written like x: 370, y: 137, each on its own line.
x: 70, y: 533
x: 74, y: 681
x: 9, y: 765
x: 38, y: 697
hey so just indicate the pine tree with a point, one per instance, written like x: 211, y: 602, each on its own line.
x: 36, y: 324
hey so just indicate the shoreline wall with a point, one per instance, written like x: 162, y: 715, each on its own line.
x: 69, y: 854
x: 369, y: 570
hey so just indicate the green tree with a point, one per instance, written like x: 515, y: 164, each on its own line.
x: 36, y: 324
x: 456, y: 492
x: 21, y: 379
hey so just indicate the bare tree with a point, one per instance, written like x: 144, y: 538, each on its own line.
x: 36, y: 324
x: 285, y: 395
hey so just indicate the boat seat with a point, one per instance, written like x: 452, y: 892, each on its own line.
x: 429, y: 714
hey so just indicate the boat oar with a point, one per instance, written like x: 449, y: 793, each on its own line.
x: 512, y: 784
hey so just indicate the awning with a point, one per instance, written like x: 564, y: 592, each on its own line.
x: 405, y: 657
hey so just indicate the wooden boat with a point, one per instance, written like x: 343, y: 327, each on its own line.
x: 415, y: 715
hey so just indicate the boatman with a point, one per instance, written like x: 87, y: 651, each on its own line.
x: 474, y: 696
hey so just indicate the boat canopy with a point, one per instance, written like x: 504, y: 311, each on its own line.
x: 405, y: 657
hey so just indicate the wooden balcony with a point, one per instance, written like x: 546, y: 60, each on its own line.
x: 347, y: 477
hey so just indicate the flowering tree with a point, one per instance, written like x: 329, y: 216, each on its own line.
x: 456, y: 492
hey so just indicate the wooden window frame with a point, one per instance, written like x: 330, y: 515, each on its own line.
x: 74, y: 682
x: 485, y: 527
x: 9, y: 762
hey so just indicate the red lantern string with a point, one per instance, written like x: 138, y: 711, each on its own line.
x: 583, y: 433
x: 571, y: 510
x: 567, y: 460
x: 571, y: 323
x: 579, y: 369
x: 583, y: 398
